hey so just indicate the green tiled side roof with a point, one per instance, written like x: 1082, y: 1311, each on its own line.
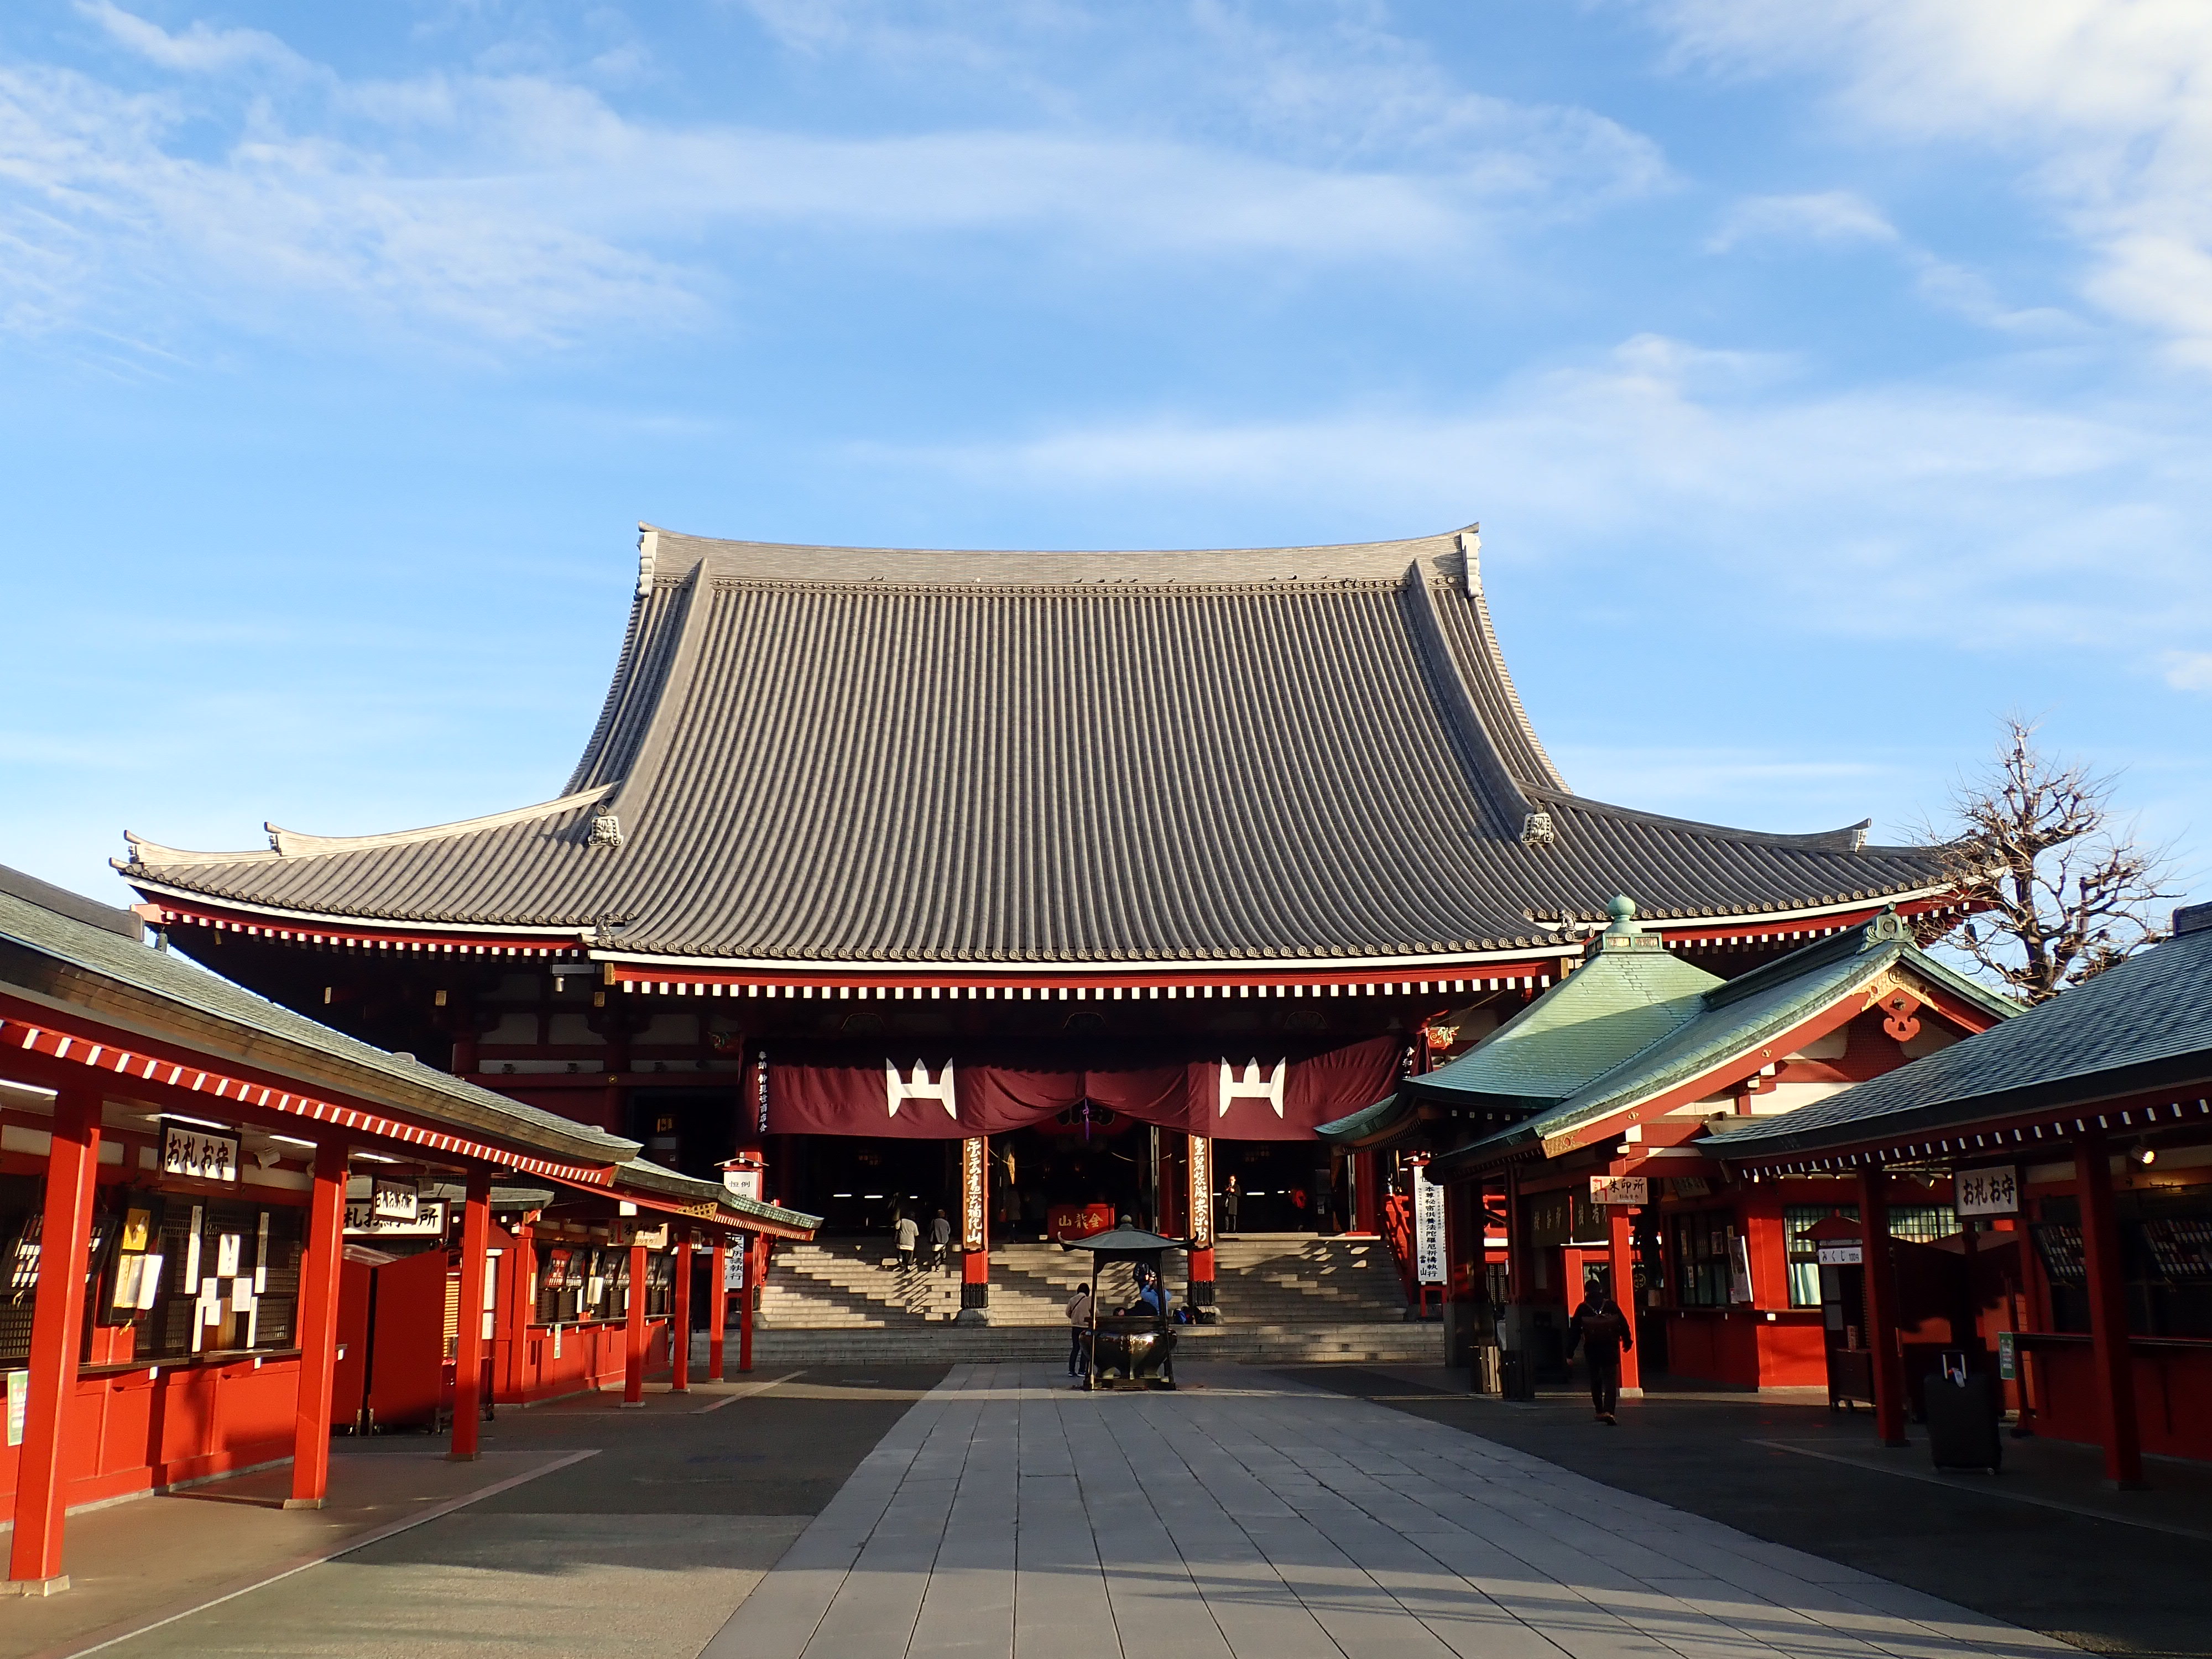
x: 1730, y: 1018
x: 1616, y: 1004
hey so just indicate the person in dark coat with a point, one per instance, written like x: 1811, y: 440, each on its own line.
x: 1602, y: 1331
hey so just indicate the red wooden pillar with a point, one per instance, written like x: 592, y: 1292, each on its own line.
x: 318, y: 1328
x: 2113, y: 1371
x: 521, y: 1308
x: 634, y: 1331
x: 679, y: 1320
x: 1621, y: 1238
x: 35, y: 1554
x: 718, y: 1307
x: 1880, y: 1281
x: 469, y: 1338
x: 1366, y: 1193
x: 747, y: 1297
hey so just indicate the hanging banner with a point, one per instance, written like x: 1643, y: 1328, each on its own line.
x: 1428, y: 1228
x: 1275, y: 1096
x: 1201, y: 1193
x: 975, y: 1158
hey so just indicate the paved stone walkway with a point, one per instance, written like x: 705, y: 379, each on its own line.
x: 1247, y: 1516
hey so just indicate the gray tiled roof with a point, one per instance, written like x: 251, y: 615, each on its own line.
x: 42, y: 938
x: 36, y: 939
x: 866, y: 755
x: 2143, y: 1026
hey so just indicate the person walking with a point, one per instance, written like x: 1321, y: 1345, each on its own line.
x: 940, y: 1240
x: 909, y: 1233
x: 1078, y: 1320
x: 1231, y: 1197
x: 1602, y: 1328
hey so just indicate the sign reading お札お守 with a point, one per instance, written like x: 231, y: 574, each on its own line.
x: 204, y: 1154
x: 1989, y: 1192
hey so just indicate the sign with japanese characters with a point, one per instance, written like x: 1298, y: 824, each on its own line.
x: 1620, y: 1190
x: 202, y: 1153
x: 1428, y: 1228
x: 1993, y: 1191
x: 395, y: 1201
x: 429, y: 1220
x: 1849, y: 1254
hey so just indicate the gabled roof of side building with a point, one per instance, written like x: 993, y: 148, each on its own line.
x: 71, y: 954
x: 1705, y: 1031
x: 2143, y: 1025
x: 851, y: 755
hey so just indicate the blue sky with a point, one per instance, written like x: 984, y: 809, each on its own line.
x: 1828, y: 379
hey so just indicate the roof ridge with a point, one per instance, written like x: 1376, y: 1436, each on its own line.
x: 1852, y: 838
x: 291, y: 843
x: 675, y: 555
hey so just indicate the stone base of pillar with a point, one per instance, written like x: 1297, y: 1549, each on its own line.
x: 303, y: 1503
x: 53, y: 1586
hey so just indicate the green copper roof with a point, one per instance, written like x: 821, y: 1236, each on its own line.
x: 1728, y: 1018
x: 1629, y: 993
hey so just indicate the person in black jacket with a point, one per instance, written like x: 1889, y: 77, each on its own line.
x: 1602, y: 1330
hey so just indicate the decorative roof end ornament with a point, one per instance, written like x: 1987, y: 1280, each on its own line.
x: 1623, y: 933
x: 603, y: 937
x: 1537, y: 830
x: 1887, y: 927
x: 1470, y: 547
x: 607, y: 830
x: 648, y: 555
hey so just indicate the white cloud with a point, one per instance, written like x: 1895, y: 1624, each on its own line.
x: 199, y: 50
x: 1832, y: 215
x: 2189, y: 670
x: 526, y: 207
x: 1962, y: 518
x: 2106, y: 105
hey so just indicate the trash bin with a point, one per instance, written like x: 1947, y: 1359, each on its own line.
x: 1515, y: 1380
x: 1962, y: 1422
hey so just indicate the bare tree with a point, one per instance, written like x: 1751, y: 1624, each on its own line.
x: 2059, y: 890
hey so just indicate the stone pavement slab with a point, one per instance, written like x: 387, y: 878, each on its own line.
x: 1252, y: 1516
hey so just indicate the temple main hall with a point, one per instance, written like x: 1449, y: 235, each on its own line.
x: 1029, y: 887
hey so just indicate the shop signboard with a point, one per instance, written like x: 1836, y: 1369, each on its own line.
x: 2007, y: 1357
x: 429, y: 1220
x: 200, y: 1150
x: 1428, y: 1228
x: 1847, y: 1254
x: 1994, y: 1191
x: 395, y: 1201
x: 1620, y: 1190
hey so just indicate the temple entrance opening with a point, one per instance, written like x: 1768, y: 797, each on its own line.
x: 862, y: 1184
x: 1071, y: 1176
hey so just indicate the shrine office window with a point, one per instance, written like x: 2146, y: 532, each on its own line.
x: 1701, y: 1248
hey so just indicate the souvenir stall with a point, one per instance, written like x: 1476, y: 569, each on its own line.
x: 175, y: 1160
x: 2074, y: 1143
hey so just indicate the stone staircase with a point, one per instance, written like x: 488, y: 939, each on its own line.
x: 1282, y: 1298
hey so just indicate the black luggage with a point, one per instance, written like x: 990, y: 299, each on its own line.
x: 1962, y: 1422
